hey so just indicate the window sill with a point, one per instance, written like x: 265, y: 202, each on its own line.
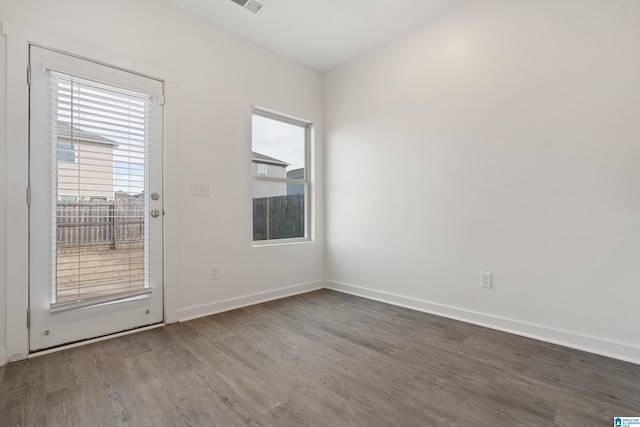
x: 281, y: 242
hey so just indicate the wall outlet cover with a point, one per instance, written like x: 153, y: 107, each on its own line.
x: 486, y: 279
x: 215, y: 272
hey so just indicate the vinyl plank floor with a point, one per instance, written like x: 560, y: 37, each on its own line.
x: 319, y: 359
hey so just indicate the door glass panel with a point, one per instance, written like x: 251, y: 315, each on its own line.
x: 99, y: 149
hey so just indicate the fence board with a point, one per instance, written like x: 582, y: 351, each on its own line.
x: 112, y: 224
x: 279, y: 217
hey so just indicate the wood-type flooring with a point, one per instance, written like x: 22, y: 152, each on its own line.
x: 319, y: 359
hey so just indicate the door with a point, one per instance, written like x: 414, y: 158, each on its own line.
x: 95, y: 213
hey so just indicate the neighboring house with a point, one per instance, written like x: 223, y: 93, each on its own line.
x: 268, y: 167
x: 123, y: 195
x: 85, y: 165
x: 295, y: 188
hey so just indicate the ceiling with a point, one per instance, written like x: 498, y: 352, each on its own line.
x: 320, y: 34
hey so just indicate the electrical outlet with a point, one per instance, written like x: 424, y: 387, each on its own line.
x: 486, y: 279
x: 215, y: 272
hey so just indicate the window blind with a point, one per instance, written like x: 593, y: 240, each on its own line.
x: 99, y: 150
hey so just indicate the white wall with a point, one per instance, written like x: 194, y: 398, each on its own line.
x: 501, y: 136
x: 220, y: 77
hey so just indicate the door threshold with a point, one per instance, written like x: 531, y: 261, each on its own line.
x: 93, y: 340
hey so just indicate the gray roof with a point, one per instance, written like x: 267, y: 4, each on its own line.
x: 65, y: 130
x: 261, y: 158
x: 296, y: 173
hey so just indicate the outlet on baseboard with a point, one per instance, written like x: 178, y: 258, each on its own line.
x: 215, y: 272
x: 486, y: 279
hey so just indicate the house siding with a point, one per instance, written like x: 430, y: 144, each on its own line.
x: 269, y: 189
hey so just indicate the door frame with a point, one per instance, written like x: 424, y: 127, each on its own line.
x: 18, y: 39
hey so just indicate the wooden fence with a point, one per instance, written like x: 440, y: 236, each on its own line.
x: 280, y: 217
x: 112, y: 224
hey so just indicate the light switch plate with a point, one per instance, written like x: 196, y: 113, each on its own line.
x: 199, y: 188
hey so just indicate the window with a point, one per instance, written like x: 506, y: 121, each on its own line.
x: 280, y: 165
x: 66, y: 152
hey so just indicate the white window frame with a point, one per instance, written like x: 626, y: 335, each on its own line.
x: 306, y: 181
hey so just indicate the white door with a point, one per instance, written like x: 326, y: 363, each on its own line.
x: 95, y: 215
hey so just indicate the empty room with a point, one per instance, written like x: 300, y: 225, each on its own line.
x: 330, y: 213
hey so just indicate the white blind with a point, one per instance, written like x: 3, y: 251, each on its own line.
x: 100, y: 139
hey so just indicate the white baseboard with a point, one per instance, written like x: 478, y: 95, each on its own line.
x: 231, y: 304
x: 625, y: 352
